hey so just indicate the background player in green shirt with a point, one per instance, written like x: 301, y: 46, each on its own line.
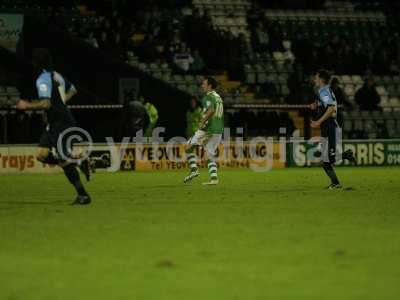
x: 210, y: 133
x: 193, y: 117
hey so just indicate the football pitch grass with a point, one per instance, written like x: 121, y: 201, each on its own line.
x: 276, y: 235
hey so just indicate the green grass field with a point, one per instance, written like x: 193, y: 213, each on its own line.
x: 276, y: 235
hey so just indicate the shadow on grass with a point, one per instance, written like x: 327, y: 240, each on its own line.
x: 32, y: 203
x: 287, y: 190
x: 167, y: 186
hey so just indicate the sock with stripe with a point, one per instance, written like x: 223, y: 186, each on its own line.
x: 192, y: 162
x: 212, y: 169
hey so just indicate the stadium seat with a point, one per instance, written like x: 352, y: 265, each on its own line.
x: 11, y: 90
x: 285, y: 90
x: 143, y: 67
x: 381, y: 90
x: 391, y: 90
x: 386, y: 80
x: 241, y: 21
x: 394, y: 102
x: 157, y: 74
x: 354, y: 114
x: 365, y: 114
x: 377, y: 79
x: 385, y: 101
x: 347, y: 125
x: 358, y: 124
x: 182, y: 86
x: 346, y: 79
x: 349, y: 90
x: 261, y: 77
x: 282, y: 79
x: 3, y: 101
x: 250, y: 76
x: 356, y: 79
x: 13, y: 99
x: 278, y: 56
x: 189, y: 78
x: 177, y: 78
x: 387, y: 109
x: 166, y: 77
x: 357, y: 87
x: 153, y: 66
x: 376, y: 114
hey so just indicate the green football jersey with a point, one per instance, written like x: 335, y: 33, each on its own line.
x: 216, y: 123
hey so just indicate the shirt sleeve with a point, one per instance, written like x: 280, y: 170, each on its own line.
x: 44, y: 86
x: 61, y: 85
x: 326, y: 98
x: 207, y: 103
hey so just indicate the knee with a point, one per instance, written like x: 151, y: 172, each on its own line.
x: 211, y: 156
x: 41, y: 155
x: 327, y: 165
x: 190, y: 148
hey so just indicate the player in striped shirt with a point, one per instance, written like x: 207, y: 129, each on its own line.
x: 209, y: 135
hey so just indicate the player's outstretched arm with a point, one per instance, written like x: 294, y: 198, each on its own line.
x: 71, y: 93
x: 35, y: 104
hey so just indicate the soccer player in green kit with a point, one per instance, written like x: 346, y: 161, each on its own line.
x: 210, y: 131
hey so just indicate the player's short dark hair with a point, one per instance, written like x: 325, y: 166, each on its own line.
x: 324, y: 75
x: 335, y: 80
x: 42, y: 59
x: 212, y: 81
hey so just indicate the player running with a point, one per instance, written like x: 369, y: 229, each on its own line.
x: 54, y: 91
x: 327, y: 107
x: 209, y: 134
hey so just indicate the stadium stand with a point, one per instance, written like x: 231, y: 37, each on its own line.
x: 261, y: 53
x: 9, y: 95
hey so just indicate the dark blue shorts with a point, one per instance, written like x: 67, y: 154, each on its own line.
x: 55, y: 139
